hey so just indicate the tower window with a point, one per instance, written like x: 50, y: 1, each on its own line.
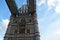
x: 29, y: 20
x: 22, y: 31
x: 28, y: 31
x: 10, y: 38
x: 15, y: 31
x: 32, y: 38
x: 23, y: 23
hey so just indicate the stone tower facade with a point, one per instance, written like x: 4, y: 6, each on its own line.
x: 23, y: 25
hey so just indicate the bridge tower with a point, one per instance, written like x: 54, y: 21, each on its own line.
x: 23, y: 23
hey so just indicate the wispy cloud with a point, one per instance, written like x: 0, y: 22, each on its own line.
x: 53, y: 27
x: 3, y: 25
x: 50, y: 28
x: 49, y: 23
x: 40, y: 2
x: 50, y: 4
x: 5, y: 22
x: 1, y: 38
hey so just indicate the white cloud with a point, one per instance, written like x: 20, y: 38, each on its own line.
x: 51, y: 3
x: 55, y: 24
x: 54, y: 3
x: 58, y: 7
x: 50, y: 31
x: 4, y: 25
x: 1, y: 38
x: 58, y: 32
x: 40, y: 2
x: 53, y: 31
x: 5, y: 22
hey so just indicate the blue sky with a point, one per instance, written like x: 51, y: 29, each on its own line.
x: 48, y: 15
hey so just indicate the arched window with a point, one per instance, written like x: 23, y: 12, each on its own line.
x: 22, y: 31
x: 23, y: 23
x: 10, y: 38
x: 16, y: 31
x: 32, y: 38
x: 28, y: 31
